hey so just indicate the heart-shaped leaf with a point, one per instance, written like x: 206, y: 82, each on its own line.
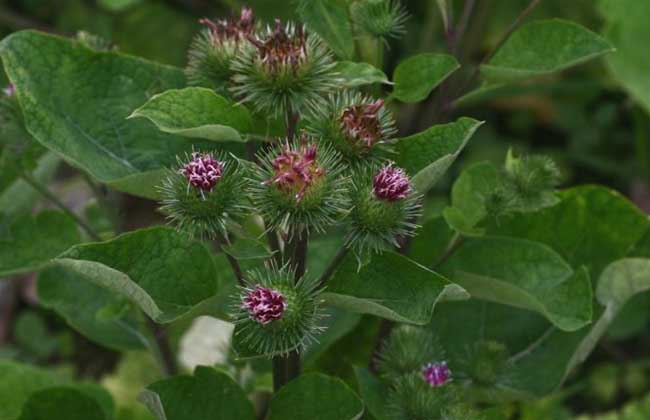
x: 417, y: 76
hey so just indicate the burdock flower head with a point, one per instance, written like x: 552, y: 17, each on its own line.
x: 299, y: 184
x: 276, y: 313
x: 264, y: 305
x: 385, y: 208
x: 391, y: 184
x: 357, y: 126
x: 213, y: 50
x: 436, y: 374
x: 284, y: 68
x: 204, y: 193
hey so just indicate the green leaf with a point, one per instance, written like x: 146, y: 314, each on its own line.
x: 433, y: 239
x: 198, y: 113
x: 373, y: 392
x: 315, y: 396
x: 75, y: 101
x: 247, y: 249
x: 159, y: 269
x: 53, y: 231
x: 417, y: 76
x: 524, y: 274
x: 330, y: 20
x: 209, y: 394
x: 428, y: 155
x: 118, y: 5
x: 359, y: 74
x: 20, y: 196
x: 468, y: 197
x: 625, y: 25
x: 390, y: 286
x: 337, y: 323
x: 63, y: 403
x: 544, y: 47
x: 81, y: 303
x: 591, y: 226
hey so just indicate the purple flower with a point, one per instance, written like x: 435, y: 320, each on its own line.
x: 360, y: 123
x: 231, y: 29
x: 281, y: 48
x: 436, y: 374
x: 9, y: 90
x: 391, y: 184
x: 296, y: 169
x: 203, y: 171
x: 264, y: 305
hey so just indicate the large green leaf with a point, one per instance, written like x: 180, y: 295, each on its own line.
x: 428, y: 155
x: 373, y: 392
x: 20, y: 196
x: 52, y: 231
x: 94, y: 311
x: 330, y: 20
x: 196, y: 112
x: 315, y: 396
x: 544, y: 47
x: 75, y: 101
x: 591, y: 226
x: 524, y: 274
x: 63, y: 403
x: 359, y: 74
x: 626, y: 24
x: 417, y: 76
x: 159, y: 269
x: 390, y: 286
x: 209, y: 394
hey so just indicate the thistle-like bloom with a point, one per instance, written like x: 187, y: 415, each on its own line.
x: 204, y: 193
x: 296, y: 169
x: 380, y: 18
x: 299, y: 185
x: 384, y: 209
x: 357, y: 126
x: 264, y: 305
x: 231, y: 30
x: 9, y: 90
x: 436, y: 374
x: 275, y: 313
x: 282, y: 69
x: 214, y: 48
x: 203, y: 171
x: 361, y: 124
x: 391, y: 184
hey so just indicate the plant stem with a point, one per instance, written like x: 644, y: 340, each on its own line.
x: 384, y: 331
x: 234, y: 264
x: 165, y: 354
x: 334, y: 264
x: 55, y: 200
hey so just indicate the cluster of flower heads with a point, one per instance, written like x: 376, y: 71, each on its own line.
x: 231, y: 30
x: 264, y: 305
x: 203, y: 171
x: 282, y: 47
x: 296, y: 169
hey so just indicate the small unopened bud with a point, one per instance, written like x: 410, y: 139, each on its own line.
x: 264, y: 305
x: 361, y: 124
x: 9, y: 90
x: 391, y: 184
x: 436, y: 374
x: 296, y: 169
x: 203, y: 171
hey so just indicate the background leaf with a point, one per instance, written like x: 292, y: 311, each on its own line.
x: 315, y: 396
x: 330, y: 20
x: 417, y: 76
x: 196, y: 112
x: 359, y: 74
x: 544, y: 47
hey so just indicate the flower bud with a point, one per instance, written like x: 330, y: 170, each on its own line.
x: 406, y: 350
x: 358, y: 127
x: 436, y: 374
x: 204, y: 194
x: 384, y: 209
x: 299, y: 184
x: 412, y: 398
x: 213, y: 50
x: 276, y: 314
x: 283, y: 68
x: 380, y: 18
